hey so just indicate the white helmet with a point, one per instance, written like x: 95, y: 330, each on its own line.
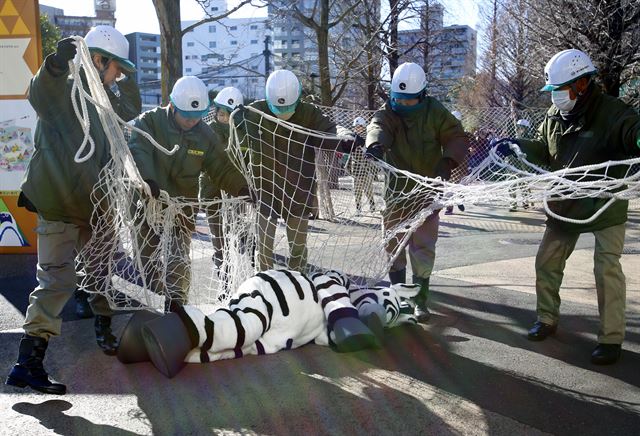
x: 110, y: 43
x: 566, y: 67
x: 409, y: 81
x: 190, y: 97
x: 457, y: 114
x: 283, y: 92
x: 359, y: 121
x: 523, y: 122
x: 228, y: 98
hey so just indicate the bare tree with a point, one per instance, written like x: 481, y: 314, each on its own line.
x: 607, y: 30
x: 321, y: 18
x: 171, y: 33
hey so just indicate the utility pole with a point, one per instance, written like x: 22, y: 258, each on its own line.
x: 267, y: 56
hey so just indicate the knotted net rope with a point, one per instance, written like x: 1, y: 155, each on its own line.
x: 146, y: 252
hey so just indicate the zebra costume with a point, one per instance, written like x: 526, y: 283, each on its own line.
x: 390, y: 304
x: 272, y: 311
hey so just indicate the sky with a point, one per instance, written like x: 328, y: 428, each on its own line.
x: 140, y: 16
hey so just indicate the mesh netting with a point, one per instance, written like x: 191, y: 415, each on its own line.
x: 147, y: 252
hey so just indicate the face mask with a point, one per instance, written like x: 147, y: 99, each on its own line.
x: 115, y: 89
x: 405, y: 110
x: 285, y: 116
x: 562, y: 100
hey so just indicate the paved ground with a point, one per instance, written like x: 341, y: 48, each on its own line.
x: 471, y: 370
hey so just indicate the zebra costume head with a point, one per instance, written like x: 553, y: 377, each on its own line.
x: 392, y: 304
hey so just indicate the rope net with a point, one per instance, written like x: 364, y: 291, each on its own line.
x: 147, y: 252
x: 315, y: 208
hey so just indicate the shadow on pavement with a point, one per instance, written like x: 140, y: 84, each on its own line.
x: 51, y: 416
x: 568, y: 344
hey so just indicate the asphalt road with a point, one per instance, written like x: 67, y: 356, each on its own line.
x: 470, y: 370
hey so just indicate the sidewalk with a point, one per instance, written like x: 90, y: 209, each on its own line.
x: 470, y: 370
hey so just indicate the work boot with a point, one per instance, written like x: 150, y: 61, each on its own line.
x: 104, y: 337
x: 28, y: 371
x: 173, y: 303
x: 541, y: 330
x: 398, y: 276
x: 606, y: 354
x: 420, y: 312
x: 83, y: 309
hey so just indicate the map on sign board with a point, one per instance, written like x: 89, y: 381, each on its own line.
x: 16, y: 148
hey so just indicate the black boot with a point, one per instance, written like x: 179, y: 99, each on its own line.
x: 28, y: 371
x: 421, y: 312
x: 398, y: 276
x: 104, y: 337
x: 83, y: 309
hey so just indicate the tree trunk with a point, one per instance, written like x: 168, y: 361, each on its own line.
x: 322, y: 34
x: 168, y: 12
x: 393, y: 56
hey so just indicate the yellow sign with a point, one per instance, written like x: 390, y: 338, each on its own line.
x: 21, y: 54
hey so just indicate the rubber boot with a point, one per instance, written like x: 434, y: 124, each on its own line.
x: 104, y: 337
x: 173, y: 304
x: 420, y: 312
x: 83, y: 309
x: 28, y: 371
x: 398, y: 276
x: 168, y: 343
x: 132, y: 348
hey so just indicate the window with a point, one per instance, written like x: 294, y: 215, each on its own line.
x: 254, y: 27
x: 148, y: 38
x: 212, y: 29
x: 214, y: 9
x: 212, y: 44
x: 233, y: 28
x: 234, y: 42
x: 295, y: 43
x: 254, y: 41
x: 190, y: 44
x: 187, y: 70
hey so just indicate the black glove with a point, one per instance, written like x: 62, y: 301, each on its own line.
x: 503, y: 146
x: 374, y: 151
x: 64, y: 53
x: 347, y: 145
x: 23, y: 201
x: 155, y: 189
x: 444, y: 168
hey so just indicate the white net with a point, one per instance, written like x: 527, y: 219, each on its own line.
x: 147, y: 252
x: 317, y: 209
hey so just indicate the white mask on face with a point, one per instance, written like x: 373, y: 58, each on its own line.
x: 562, y: 100
x: 285, y: 116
